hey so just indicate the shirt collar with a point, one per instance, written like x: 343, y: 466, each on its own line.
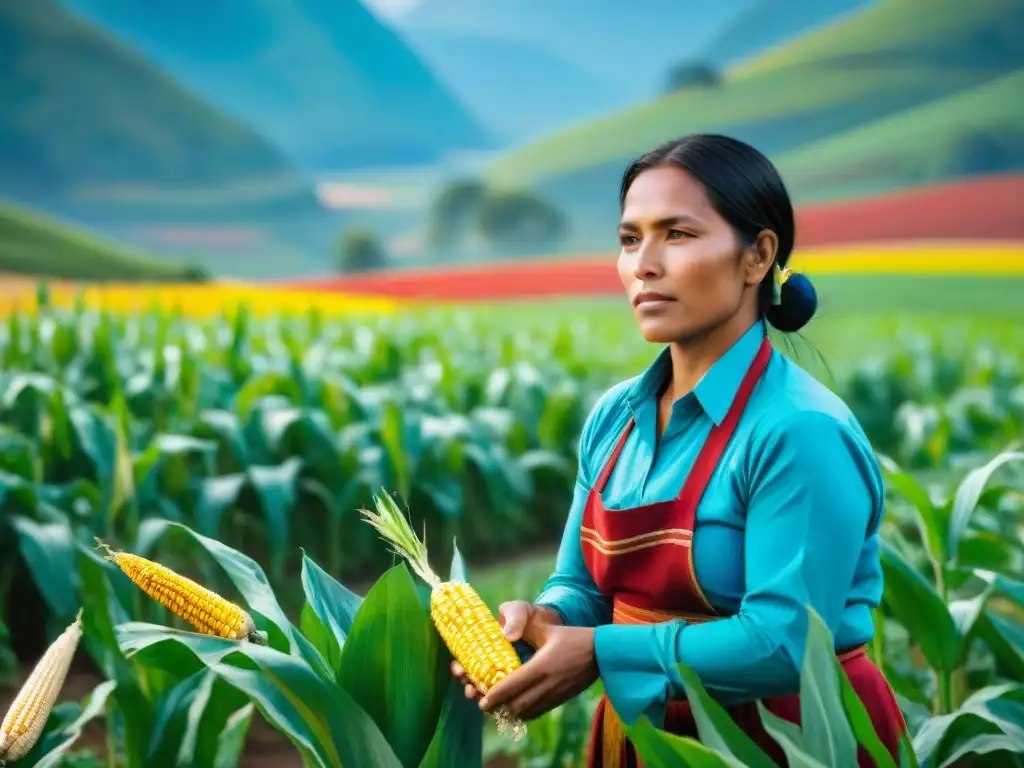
x: 717, y: 388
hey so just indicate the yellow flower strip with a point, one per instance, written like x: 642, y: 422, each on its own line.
x: 201, y: 301
x: 939, y: 258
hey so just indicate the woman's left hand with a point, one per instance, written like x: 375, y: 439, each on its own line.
x: 563, y: 667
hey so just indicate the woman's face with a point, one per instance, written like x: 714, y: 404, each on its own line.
x: 680, y: 261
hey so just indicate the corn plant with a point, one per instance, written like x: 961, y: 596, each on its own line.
x: 954, y: 600
x: 357, y: 682
x: 833, y: 722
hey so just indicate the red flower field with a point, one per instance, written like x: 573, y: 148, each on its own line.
x: 988, y: 209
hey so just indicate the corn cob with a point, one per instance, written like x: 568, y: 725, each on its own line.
x: 31, y: 708
x: 204, y: 609
x: 467, y: 626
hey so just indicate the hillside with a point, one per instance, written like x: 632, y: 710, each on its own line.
x: 324, y: 80
x: 36, y: 245
x: 80, y: 109
x: 892, y: 56
x: 768, y: 23
x: 974, y: 132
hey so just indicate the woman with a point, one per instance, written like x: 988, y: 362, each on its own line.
x: 719, y: 493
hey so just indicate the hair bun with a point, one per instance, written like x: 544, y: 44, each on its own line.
x: 799, y: 303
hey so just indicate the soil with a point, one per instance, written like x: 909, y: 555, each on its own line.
x: 265, y: 746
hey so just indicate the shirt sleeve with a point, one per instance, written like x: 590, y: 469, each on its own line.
x: 812, y: 497
x: 571, y: 590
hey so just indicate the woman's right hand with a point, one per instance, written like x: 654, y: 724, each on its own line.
x: 519, y: 620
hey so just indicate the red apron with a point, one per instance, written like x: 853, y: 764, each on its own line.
x: 634, y: 557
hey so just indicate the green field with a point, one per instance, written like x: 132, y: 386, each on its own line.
x: 857, y: 317
x: 238, y: 451
x: 40, y: 246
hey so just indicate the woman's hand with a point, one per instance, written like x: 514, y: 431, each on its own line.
x: 520, y: 620
x: 563, y: 667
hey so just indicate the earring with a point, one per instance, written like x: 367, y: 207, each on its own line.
x: 781, y: 275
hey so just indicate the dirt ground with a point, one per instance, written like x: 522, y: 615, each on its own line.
x: 265, y: 746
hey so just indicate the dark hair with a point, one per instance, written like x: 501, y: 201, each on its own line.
x: 747, y: 191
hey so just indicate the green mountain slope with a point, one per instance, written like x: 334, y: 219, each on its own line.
x: 324, y: 80
x: 78, y: 108
x: 32, y: 244
x: 884, y: 59
x: 973, y: 132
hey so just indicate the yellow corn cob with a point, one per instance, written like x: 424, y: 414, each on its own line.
x: 205, y: 610
x: 24, y: 722
x: 465, y: 623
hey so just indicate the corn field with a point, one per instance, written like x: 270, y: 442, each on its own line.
x: 238, y: 449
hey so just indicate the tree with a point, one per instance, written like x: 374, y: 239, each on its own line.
x: 518, y: 219
x: 359, y: 251
x: 453, y: 211
x: 691, y: 74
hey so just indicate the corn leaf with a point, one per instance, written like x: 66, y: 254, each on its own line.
x: 995, y: 709
x: 54, y: 743
x: 394, y: 664
x: 48, y: 551
x: 968, y: 493
x: 332, y: 605
x: 827, y: 736
x: 916, y: 605
x: 717, y: 729
x: 660, y: 749
x: 327, y: 726
x: 790, y: 738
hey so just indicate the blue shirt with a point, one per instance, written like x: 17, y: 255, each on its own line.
x: 789, y: 519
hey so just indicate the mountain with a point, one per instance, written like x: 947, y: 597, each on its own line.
x: 625, y: 47
x: 93, y: 132
x: 889, y: 57
x: 79, y: 109
x: 36, y: 245
x: 518, y: 89
x: 324, y: 80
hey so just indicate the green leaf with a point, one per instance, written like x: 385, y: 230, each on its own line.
x: 996, y: 708
x: 49, y: 750
x: 190, y: 719
x: 860, y: 722
x: 918, y: 607
x: 231, y: 739
x: 788, y: 736
x: 827, y: 736
x: 929, y: 518
x: 984, y: 744
x: 213, y: 497
x: 48, y: 551
x: 717, y: 730
x: 332, y: 603
x: 276, y: 487
x: 660, y: 749
x: 395, y: 665
x: 458, y: 740
x: 969, y: 492
x: 172, y: 710
x: 327, y: 726
x: 1006, y: 641
x: 320, y: 636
